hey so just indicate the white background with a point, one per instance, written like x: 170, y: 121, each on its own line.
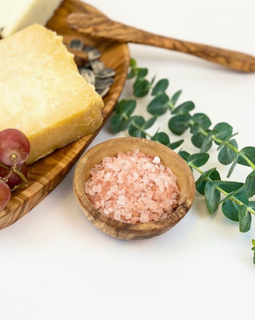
x: 54, y: 264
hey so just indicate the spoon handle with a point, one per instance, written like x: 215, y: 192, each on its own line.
x: 100, y: 26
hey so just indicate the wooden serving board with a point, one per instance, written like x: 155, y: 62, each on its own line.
x: 47, y: 173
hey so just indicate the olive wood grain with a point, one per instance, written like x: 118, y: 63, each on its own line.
x: 99, y: 26
x: 47, y: 173
x: 123, y: 230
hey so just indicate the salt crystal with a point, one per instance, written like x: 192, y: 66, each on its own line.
x: 91, y: 192
x: 136, y: 152
x: 129, y: 216
x: 147, y: 166
x: 117, y: 215
x: 156, y: 160
x: 108, y: 176
x: 144, y: 218
x: 97, y: 204
x: 135, y: 175
x: 134, y: 220
x: 114, y: 188
x: 133, y: 188
x: 121, y: 200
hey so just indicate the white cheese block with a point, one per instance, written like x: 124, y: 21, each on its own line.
x: 18, y: 14
x: 42, y: 93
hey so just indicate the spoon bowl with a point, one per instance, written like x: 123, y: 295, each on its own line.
x: 137, y: 231
x: 101, y: 27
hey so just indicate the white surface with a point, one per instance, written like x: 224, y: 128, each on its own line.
x: 54, y: 264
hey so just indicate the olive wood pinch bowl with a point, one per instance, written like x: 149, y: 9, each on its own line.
x: 123, y: 230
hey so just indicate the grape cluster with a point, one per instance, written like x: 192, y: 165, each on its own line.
x: 14, y: 150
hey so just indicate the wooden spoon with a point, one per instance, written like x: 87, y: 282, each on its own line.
x: 100, y: 26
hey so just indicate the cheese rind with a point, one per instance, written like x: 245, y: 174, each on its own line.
x: 43, y: 94
x: 18, y: 14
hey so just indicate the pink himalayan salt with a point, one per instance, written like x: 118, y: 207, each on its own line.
x: 133, y: 188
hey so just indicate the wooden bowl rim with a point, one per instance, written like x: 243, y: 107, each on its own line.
x: 93, y: 214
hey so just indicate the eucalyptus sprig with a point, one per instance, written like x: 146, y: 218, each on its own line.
x: 234, y: 197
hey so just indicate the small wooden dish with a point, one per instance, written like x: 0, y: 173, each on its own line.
x: 123, y: 230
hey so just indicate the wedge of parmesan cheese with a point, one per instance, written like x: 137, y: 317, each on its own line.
x: 18, y: 14
x: 42, y: 93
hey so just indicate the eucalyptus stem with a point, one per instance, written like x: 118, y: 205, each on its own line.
x: 136, y: 126
x: 225, y: 193
x: 234, y: 197
x: 228, y: 145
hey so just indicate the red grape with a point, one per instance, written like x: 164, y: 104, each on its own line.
x: 14, y: 180
x: 5, y: 194
x: 14, y: 147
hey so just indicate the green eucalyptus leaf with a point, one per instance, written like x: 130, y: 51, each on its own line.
x: 230, y: 196
x: 222, y: 131
x: 184, y: 108
x: 180, y: 123
x: 232, y: 166
x: 206, y: 176
x: 160, y: 87
x: 117, y: 122
x: 125, y: 125
x: 152, y: 81
x: 226, y: 154
x: 235, y: 190
x: 175, y: 97
x: 133, y: 70
x: 142, y: 72
x: 132, y: 63
x: 149, y: 123
x: 161, y: 137
x: 247, y: 152
x: 202, y: 120
x: 212, y: 197
x: 131, y: 74
x: 126, y: 107
x: 141, y: 88
x: 198, y: 159
x: 253, y: 248
x: 175, y: 144
x: 226, y: 142
x: 244, y: 219
x: 250, y: 184
x: 138, y: 134
x: 184, y: 154
x: 198, y: 139
x: 207, y: 143
x: 136, y: 127
x: 195, y: 128
x: 137, y: 120
x: 241, y: 196
x: 251, y: 204
x: 230, y: 210
x: 230, y: 186
x: 158, y: 105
